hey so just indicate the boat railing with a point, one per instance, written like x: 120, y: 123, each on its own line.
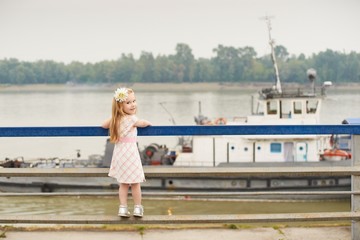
x: 293, y: 92
x: 185, y: 172
x: 240, y: 119
x: 185, y: 163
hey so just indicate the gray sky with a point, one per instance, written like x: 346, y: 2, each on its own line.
x: 96, y: 30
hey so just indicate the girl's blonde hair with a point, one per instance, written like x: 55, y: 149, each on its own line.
x: 117, y: 113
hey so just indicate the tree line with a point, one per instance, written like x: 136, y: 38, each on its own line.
x: 229, y: 64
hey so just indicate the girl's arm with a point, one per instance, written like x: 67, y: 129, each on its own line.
x: 106, y: 123
x: 142, y: 123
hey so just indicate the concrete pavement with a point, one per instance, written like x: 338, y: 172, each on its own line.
x: 263, y: 233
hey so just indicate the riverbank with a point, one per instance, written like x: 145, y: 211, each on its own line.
x: 264, y: 233
x: 156, y: 87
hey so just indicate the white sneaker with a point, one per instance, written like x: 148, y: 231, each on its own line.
x: 123, y: 211
x: 138, y: 211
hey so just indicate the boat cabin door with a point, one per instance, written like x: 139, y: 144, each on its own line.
x: 289, y: 151
x: 301, y: 152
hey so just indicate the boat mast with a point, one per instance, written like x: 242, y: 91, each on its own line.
x: 272, y: 43
x: 172, y: 119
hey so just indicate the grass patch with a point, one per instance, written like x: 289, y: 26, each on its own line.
x: 278, y: 228
x: 232, y: 226
x: 141, y: 230
x: 3, y: 231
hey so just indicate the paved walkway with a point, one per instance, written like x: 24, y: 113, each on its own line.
x: 287, y: 233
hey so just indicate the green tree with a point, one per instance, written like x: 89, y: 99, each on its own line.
x: 227, y: 63
x: 327, y: 65
x: 281, y: 53
x: 247, y: 58
x: 123, y: 70
x: 146, y: 67
x: 185, y: 63
x: 164, y: 69
x: 204, y: 71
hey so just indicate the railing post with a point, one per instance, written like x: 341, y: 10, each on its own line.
x: 355, y: 186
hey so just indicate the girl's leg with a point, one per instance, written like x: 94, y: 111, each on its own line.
x: 123, y: 193
x: 136, y: 193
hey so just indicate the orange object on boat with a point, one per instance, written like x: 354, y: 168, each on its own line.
x: 336, y: 155
x: 220, y: 121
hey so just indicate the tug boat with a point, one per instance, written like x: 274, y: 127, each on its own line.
x: 277, y: 105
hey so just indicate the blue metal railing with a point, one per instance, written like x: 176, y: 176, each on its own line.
x: 93, y: 131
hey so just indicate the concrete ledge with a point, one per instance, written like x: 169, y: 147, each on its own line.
x: 171, y: 193
x: 183, y: 172
x: 181, y: 219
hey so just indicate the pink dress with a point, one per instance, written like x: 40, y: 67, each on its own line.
x: 126, y: 164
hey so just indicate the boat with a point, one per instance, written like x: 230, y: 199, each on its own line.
x: 277, y: 105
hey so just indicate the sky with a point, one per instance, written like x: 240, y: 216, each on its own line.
x: 97, y: 30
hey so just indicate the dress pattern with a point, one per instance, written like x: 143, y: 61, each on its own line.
x: 126, y: 164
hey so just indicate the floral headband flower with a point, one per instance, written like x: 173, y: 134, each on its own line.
x: 121, y: 94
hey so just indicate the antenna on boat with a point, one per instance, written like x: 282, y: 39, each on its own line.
x: 168, y: 112
x: 272, y: 43
x: 311, y: 73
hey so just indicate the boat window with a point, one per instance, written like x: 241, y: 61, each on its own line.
x: 271, y: 107
x: 259, y: 109
x: 275, y: 147
x: 297, y: 107
x: 285, y: 109
x: 246, y: 149
x: 344, y: 142
x: 311, y: 106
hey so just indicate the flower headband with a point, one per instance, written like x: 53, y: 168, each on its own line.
x: 121, y: 94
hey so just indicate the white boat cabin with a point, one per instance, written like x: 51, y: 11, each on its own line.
x: 295, y: 109
x: 281, y: 109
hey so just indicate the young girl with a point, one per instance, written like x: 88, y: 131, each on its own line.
x: 126, y: 165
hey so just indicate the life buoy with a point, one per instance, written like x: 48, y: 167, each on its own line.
x: 336, y: 155
x: 220, y: 121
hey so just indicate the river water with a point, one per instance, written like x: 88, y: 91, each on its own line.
x: 92, y: 106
